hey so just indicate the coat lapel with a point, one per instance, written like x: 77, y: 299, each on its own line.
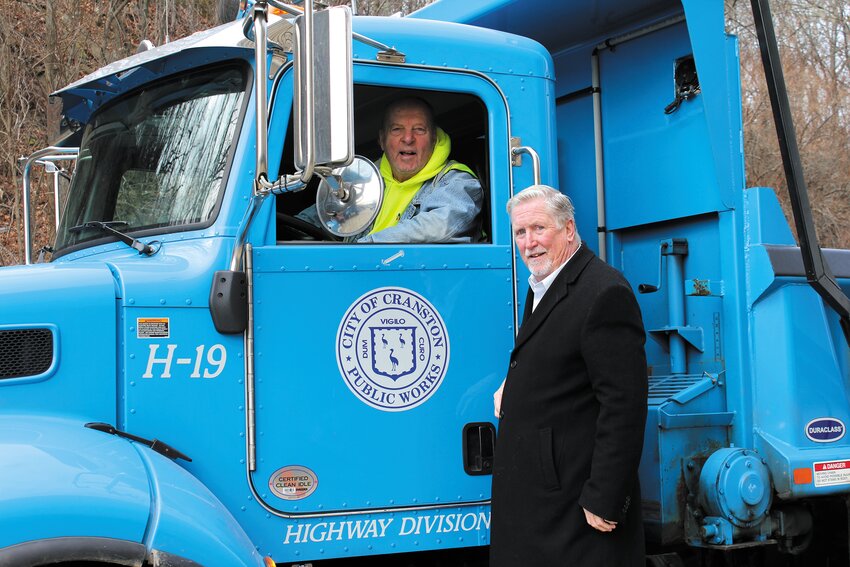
x: 554, y: 295
x: 529, y: 301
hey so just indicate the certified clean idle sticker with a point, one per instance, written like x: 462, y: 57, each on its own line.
x: 392, y: 349
x: 293, y: 482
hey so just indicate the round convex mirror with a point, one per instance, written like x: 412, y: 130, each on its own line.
x: 349, y: 199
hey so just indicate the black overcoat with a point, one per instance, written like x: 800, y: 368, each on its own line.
x: 572, y: 426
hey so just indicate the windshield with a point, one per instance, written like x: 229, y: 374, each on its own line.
x: 157, y: 158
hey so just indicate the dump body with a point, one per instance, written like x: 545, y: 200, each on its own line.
x: 728, y: 312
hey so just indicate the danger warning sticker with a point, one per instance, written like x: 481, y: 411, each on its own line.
x: 152, y: 328
x: 830, y: 473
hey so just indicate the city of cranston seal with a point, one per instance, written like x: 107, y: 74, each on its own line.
x: 392, y: 349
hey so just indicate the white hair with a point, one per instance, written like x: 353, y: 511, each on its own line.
x: 559, y: 205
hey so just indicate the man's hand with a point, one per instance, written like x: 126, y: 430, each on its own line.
x: 497, y: 400
x: 598, y: 523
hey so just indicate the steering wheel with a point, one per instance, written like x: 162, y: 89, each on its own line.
x: 294, y: 228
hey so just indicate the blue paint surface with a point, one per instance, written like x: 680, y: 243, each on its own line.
x: 757, y: 360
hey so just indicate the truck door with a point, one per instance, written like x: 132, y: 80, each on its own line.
x: 371, y: 361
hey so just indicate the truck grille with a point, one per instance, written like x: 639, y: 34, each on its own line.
x: 25, y: 352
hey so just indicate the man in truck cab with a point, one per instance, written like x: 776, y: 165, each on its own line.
x: 427, y: 197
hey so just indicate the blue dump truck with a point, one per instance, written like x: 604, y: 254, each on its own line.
x: 194, y: 376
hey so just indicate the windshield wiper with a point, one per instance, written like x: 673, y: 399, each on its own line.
x: 143, y: 248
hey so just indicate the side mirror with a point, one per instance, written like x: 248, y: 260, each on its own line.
x: 348, y: 200
x: 323, y: 106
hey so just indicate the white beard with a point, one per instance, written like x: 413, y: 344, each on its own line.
x: 539, y: 268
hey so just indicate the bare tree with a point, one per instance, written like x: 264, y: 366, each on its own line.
x: 814, y: 39
x: 40, y: 53
x: 16, y: 105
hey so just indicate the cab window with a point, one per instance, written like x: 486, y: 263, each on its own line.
x: 462, y: 116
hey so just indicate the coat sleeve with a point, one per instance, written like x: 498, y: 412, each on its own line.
x: 449, y: 213
x: 612, y: 346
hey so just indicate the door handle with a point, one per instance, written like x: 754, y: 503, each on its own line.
x: 479, y: 441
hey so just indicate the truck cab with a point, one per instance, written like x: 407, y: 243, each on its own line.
x: 353, y: 414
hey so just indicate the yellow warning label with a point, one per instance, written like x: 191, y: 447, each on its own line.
x: 152, y: 328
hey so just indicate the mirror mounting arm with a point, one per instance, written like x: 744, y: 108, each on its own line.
x: 308, y: 102
x: 285, y: 184
x: 260, y: 18
x: 294, y: 182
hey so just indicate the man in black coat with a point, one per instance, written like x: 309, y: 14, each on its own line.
x: 573, y: 406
